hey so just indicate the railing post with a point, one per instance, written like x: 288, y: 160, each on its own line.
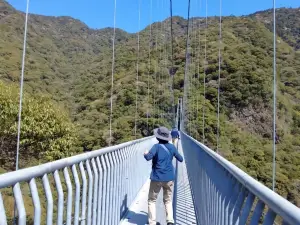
x: 95, y: 195
x: 90, y: 192
x: 104, y: 212
x: 100, y: 191
x: 36, y: 202
x: 77, y: 195
x: 70, y: 195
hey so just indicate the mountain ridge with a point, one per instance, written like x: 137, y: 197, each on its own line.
x: 72, y: 64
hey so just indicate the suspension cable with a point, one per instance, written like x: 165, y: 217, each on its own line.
x: 165, y: 63
x: 191, y: 77
x: 156, y: 69
x: 112, y: 74
x: 172, y: 63
x: 274, y: 95
x: 137, y: 68
x: 22, y: 85
x: 149, y: 67
x: 186, y: 64
x: 168, y: 81
x: 198, y: 71
x: 220, y: 45
x: 204, y: 77
x: 192, y: 73
x: 21, y: 98
x: 160, y: 83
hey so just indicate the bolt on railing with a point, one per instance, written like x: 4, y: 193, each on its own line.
x: 224, y: 194
x: 103, y: 185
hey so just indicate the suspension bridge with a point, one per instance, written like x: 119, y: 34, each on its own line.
x: 110, y: 186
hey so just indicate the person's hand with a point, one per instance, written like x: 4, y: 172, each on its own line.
x: 146, y: 152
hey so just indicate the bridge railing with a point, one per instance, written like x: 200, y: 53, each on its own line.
x: 224, y: 194
x: 103, y: 184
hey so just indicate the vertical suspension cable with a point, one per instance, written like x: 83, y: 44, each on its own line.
x: 22, y: 85
x: 220, y: 45
x: 21, y: 99
x: 274, y: 96
x: 149, y: 67
x: 186, y: 68
x: 156, y: 69
x: 190, y: 105
x: 165, y: 54
x: 137, y: 69
x: 160, y: 83
x: 194, y: 74
x: 164, y: 60
x: 112, y: 74
x: 167, y: 78
x: 198, y: 71
x: 204, y: 77
x: 172, y: 64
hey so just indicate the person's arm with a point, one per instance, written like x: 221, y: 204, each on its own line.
x: 177, y: 155
x: 149, y: 155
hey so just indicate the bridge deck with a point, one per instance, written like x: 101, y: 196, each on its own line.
x: 184, y: 207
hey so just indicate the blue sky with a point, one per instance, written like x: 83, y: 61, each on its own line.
x: 99, y: 13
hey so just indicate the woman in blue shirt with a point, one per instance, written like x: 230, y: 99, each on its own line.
x: 162, y: 175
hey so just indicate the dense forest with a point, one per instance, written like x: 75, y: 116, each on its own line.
x: 68, y: 79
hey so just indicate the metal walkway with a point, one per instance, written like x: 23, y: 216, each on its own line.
x: 184, y: 212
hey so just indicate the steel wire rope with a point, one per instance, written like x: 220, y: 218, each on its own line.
x: 22, y: 85
x: 198, y: 69
x: 168, y: 55
x: 156, y: 70
x: 167, y: 77
x: 204, y: 76
x: 274, y: 96
x: 163, y: 60
x: 190, y: 80
x: 112, y: 74
x: 219, y: 76
x: 137, y: 67
x: 191, y: 77
x: 186, y: 69
x: 194, y: 74
x: 21, y: 94
x: 172, y: 62
x: 161, y: 57
x: 149, y: 67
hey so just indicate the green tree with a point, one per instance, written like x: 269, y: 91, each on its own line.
x: 46, y: 133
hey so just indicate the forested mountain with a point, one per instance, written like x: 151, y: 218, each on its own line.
x: 69, y: 65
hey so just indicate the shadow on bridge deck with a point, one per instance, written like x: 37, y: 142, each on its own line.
x: 184, y: 213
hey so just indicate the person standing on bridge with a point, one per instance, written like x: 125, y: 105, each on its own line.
x: 162, y: 175
x: 175, y: 135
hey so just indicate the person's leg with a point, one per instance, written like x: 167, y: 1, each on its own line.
x: 173, y: 141
x: 152, y: 196
x: 167, y: 187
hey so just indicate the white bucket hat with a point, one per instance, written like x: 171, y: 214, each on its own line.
x: 162, y: 133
